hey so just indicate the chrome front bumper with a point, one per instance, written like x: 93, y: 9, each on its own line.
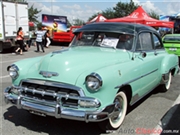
x: 44, y: 108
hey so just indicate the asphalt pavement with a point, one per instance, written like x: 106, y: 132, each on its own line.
x: 170, y: 123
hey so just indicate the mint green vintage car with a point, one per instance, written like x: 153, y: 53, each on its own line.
x: 106, y: 68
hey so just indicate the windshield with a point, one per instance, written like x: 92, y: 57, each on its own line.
x: 104, y: 39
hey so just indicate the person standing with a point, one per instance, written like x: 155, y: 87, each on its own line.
x: 48, y: 41
x: 39, y: 36
x: 19, y: 39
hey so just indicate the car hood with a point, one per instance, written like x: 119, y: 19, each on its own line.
x: 69, y: 64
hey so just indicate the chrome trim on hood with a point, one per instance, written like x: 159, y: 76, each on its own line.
x: 48, y: 74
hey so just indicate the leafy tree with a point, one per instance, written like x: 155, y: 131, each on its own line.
x: 68, y: 23
x: 108, y: 13
x: 154, y: 15
x: 33, y: 14
x: 124, y: 9
x: 39, y: 25
x: 120, y: 10
x: 78, y: 22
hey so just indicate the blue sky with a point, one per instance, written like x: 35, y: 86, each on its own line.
x: 82, y: 9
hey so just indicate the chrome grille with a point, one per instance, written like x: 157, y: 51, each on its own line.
x: 51, y: 91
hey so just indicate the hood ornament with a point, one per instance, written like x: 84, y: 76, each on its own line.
x: 48, y: 74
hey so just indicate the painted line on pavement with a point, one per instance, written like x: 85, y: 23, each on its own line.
x: 9, y: 61
x: 167, y: 117
x: 4, y: 76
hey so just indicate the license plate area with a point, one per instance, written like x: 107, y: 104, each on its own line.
x: 173, y: 49
x: 37, y: 113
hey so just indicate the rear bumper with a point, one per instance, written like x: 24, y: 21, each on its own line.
x: 44, y: 108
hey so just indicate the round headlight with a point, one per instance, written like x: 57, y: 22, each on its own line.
x: 93, y: 82
x: 13, y: 71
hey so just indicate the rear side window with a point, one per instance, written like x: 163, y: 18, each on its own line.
x: 144, y: 42
x: 157, y: 42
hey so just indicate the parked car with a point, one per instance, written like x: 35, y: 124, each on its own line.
x: 107, y: 68
x: 172, y: 43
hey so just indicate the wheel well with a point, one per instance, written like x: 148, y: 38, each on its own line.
x: 128, y: 91
x: 172, y: 71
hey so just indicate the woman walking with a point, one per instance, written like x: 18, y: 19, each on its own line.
x: 48, y: 42
x: 20, y: 38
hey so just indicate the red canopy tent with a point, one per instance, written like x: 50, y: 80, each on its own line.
x: 140, y: 16
x: 99, y: 18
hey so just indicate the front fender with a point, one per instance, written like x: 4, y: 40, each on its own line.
x: 24, y: 66
x: 112, y: 76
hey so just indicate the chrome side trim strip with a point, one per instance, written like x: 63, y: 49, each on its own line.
x: 135, y: 79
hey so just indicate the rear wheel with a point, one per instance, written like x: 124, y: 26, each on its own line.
x: 117, y: 117
x: 165, y: 87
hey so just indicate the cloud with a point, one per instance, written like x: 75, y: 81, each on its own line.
x: 80, y: 11
x: 173, y: 8
x: 149, y: 7
x: 75, y: 6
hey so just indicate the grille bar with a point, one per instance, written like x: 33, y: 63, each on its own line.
x: 67, y: 95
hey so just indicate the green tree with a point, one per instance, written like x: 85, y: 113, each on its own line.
x: 33, y: 14
x: 153, y: 15
x: 124, y: 9
x: 39, y: 25
x: 108, y: 13
x: 78, y: 22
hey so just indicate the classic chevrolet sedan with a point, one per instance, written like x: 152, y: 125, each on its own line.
x: 106, y: 68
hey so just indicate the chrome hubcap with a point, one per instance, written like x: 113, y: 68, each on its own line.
x: 118, y: 109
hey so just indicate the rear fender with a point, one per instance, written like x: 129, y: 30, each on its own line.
x: 169, y: 63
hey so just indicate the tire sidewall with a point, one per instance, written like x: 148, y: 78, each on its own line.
x: 124, y: 110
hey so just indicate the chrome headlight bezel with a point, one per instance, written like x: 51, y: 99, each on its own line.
x: 93, y: 81
x: 13, y: 71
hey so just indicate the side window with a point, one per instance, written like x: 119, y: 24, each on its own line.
x: 157, y: 43
x: 144, y: 42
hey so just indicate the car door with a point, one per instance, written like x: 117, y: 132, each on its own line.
x: 149, y: 62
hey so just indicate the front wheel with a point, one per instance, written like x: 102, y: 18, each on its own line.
x: 118, y: 115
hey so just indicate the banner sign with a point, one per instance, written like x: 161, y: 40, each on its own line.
x: 54, y: 23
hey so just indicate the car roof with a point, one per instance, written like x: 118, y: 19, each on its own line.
x: 116, y: 27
